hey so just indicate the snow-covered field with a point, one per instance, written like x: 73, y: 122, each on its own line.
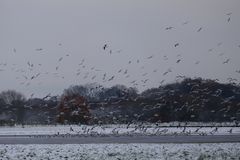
x: 226, y: 151
x: 220, y: 151
x: 133, y: 129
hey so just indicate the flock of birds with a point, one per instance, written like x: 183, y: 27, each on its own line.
x: 32, y: 72
x: 142, y: 130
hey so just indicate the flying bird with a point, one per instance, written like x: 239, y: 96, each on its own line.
x: 105, y: 47
x: 144, y: 81
x: 184, y: 23
x: 60, y: 59
x: 197, y: 62
x: 165, y: 57
x: 221, y: 54
x: 81, y: 62
x: 177, y: 44
x: 149, y: 57
x: 133, y: 81
x: 210, y: 50
x: 119, y: 51
x: 199, y: 29
x: 32, y: 95
x: 104, y: 76
x: 25, y: 77
x: 144, y: 74
x: 229, y: 18
x: 162, y: 81
x: 39, y: 49
x: 178, y: 60
x: 47, y: 96
x: 165, y: 73
x: 168, y: 28
x: 226, y: 61
x: 219, y: 44
x: 111, y: 78
x: 180, y: 76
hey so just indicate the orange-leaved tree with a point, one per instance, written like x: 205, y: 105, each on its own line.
x: 73, y: 109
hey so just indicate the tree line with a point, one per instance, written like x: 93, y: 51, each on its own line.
x: 198, y: 100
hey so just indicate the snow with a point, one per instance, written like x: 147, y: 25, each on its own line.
x: 133, y: 130
x: 121, y: 151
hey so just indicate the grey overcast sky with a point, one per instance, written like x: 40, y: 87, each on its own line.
x: 48, y: 45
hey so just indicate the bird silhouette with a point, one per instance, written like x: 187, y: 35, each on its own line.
x: 221, y: 54
x: 197, y: 62
x: 119, y: 51
x: 178, y: 60
x: 150, y: 57
x: 229, y: 18
x: 219, y: 44
x: 32, y: 95
x: 39, y: 49
x: 184, y: 23
x: 177, y: 44
x: 111, y: 78
x: 47, y: 96
x: 60, y: 59
x: 210, y: 50
x: 165, y: 73
x: 162, y: 81
x: 168, y: 28
x: 199, y: 29
x: 165, y: 57
x: 105, y: 46
x: 224, y: 62
x: 144, y: 74
x: 238, y: 71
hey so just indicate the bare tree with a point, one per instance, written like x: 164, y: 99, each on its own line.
x: 10, y: 96
x: 15, y: 101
